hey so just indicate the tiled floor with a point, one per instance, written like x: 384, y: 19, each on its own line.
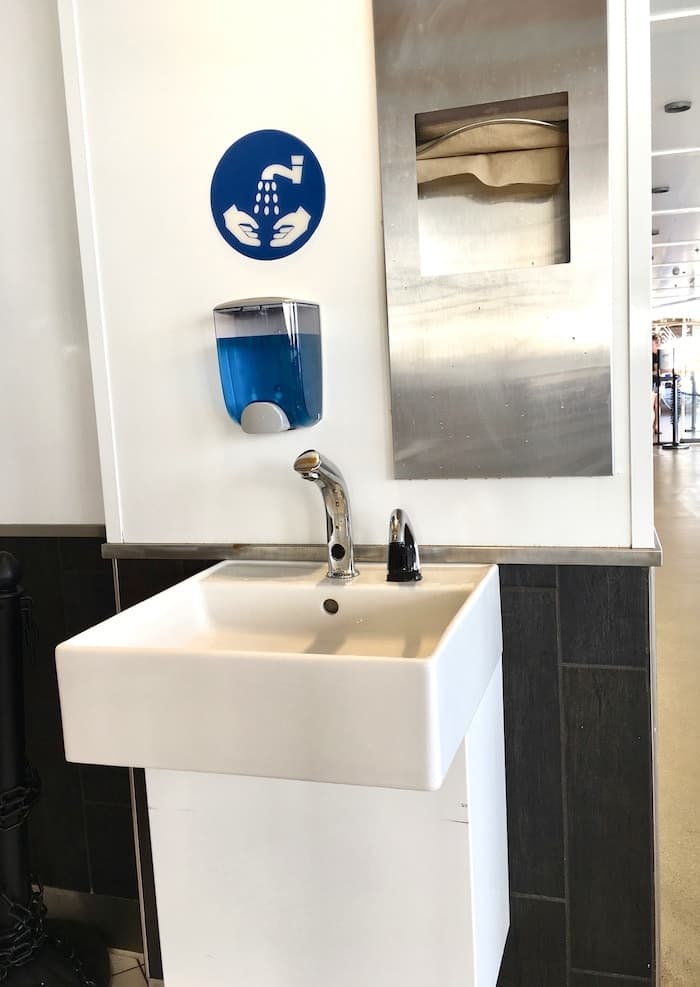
x: 678, y: 700
x: 127, y: 969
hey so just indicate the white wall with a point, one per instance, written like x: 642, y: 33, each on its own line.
x: 156, y: 92
x: 677, y: 310
x: 48, y: 442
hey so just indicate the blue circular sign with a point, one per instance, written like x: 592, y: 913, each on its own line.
x: 268, y: 194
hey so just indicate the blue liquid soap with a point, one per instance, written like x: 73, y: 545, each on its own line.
x: 273, y: 368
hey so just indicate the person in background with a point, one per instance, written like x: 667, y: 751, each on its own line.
x: 655, y: 342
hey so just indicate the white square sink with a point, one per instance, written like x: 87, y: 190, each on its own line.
x: 241, y: 670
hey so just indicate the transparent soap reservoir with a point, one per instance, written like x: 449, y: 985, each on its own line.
x: 270, y: 362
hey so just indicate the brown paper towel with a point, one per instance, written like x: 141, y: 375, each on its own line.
x: 497, y: 155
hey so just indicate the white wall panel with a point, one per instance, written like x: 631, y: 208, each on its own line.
x: 156, y: 93
x: 48, y: 442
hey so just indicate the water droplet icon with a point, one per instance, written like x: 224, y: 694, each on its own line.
x: 258, y: 197
x: 267, y: 198
x: 267, y: 210
x: 275, y: 198
x: 259, y: 185
x: 256, y: 210
x: 267, y: 186
x: 274, y: 186
x: 277, y: 210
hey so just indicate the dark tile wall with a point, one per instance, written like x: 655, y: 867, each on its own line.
x: 81, y: 829
x: 576, y: 666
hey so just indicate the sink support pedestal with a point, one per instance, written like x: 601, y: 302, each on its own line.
x: 275, y: 883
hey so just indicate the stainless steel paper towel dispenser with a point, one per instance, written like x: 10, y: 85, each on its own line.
x: 493, y: 128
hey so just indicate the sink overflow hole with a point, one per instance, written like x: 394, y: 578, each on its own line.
x: 331, y: 606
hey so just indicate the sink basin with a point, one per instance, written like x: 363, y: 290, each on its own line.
x: 245, y: 669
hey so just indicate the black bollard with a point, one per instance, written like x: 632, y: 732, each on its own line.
x: 14, y: 840
x: 33, y: 950
x: 675, y: 445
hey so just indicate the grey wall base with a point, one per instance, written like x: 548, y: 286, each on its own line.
x: 117, y: 919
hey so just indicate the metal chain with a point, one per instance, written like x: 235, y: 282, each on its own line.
x: 77, y: 964
x: 16, y: 803
x: 26, y: 935
x: 23, y: 940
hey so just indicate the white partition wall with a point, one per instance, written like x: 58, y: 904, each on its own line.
x: 156, y: 93
x: 49, y: 438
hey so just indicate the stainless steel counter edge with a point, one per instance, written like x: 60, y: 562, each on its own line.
x: 479, y: 554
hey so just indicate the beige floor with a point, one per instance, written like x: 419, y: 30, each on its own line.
x: 678, y: 703
x: 127, y: 970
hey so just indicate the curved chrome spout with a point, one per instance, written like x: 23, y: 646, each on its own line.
x: 312, y: 466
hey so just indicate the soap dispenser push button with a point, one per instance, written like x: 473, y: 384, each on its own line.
x: 269, y: 353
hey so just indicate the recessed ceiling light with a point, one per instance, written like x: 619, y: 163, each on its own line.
x: 655, y: 232
x: 660, y: 189
x: 678, y: 106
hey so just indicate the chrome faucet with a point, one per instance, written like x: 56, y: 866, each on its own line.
x: 311, y: 465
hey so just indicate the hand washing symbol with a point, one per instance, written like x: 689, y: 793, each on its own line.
x: 286, y: 230
x: 268, y: 210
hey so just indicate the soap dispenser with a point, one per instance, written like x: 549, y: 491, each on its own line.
x: 270, y: 362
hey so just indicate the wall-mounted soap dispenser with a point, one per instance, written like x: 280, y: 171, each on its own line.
x: 270, y: 362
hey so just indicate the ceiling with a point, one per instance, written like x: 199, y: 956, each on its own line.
x: 675, y: 44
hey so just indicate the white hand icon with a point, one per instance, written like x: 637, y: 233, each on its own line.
x: 290, y: 227
x: 242, y: 226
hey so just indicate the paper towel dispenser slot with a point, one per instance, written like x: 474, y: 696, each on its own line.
x: 493, y: 186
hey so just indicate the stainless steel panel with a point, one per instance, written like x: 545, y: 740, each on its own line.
x: 502, y: 373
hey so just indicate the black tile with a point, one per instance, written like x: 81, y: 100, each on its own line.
x: 533, y: 742
x: 83, y: 555
x: 535, y: 953
x: 580, y: 979
x: 89, y: 598
x: 538, y: 576
x: 106, y: 784
x: 608, y: 765
x: 57, y: 828
x: 110, y: 839
x: 604, y: 612
x: 141, y: 578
